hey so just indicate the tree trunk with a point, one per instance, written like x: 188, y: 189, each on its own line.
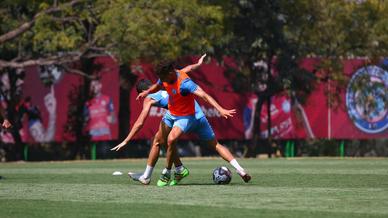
x: 269, y: 124
x: 269, y: 91
x: 124, y: 112
x: 14, y: 115
x: 252, y: 147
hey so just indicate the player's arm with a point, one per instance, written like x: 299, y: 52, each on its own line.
x: 224, y: 112
x: 138, y: 124
x: 154, y: 88
x: 189, y: 68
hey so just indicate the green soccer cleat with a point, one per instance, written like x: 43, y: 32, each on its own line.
x: 164, y: 180
x: 179, y: 176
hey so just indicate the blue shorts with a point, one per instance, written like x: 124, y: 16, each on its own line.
x: 190, y: 124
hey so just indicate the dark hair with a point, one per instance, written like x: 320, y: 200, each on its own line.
x: 143, y: 85
x: 165, y: 68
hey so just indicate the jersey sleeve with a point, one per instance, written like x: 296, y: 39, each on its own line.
x: 155, y: 96
x: 188, y: 86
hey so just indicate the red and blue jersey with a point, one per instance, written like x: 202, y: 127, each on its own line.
x: 96, y: 112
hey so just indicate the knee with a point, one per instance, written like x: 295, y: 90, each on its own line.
x: 171, y: 140
x: 158, y: 141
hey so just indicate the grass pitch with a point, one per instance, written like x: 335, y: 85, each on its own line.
x: 279, y: 188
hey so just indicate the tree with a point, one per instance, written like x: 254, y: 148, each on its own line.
x: 281, y: 33
x: 64, y: 32
x: 36, y: 33
x: 258, y: 43
x: 336, y: 31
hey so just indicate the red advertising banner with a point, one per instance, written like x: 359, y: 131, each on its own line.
x: 361, y: 114
x: 289, y: 118
x: 45, y: 103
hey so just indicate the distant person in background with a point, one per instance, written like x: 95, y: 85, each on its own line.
x: 99, y: 113
x: 4, y: 85
x: 6, y: 136
x: 99, y: 116
x: 5, y: 123
x: 11, y: 82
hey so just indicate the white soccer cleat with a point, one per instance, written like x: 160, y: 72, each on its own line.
x: 134, y: 176
x: 144, y: 181
x: 139, y: 178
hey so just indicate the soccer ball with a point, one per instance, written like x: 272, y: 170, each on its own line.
x: 222, y: 175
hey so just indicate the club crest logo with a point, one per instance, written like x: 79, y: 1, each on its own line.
x: 367, y: 99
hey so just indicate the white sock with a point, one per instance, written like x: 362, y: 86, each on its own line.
x: 179, y: 169
x: 166, y: 171
x: 148, y: 172
x: 237, y: 166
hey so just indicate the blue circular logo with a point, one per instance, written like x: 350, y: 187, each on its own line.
x: 367, y: 99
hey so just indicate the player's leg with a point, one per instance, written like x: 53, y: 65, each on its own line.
x: 172, y: 138
x: 145, y: 177
x: 226, y: 155
x: 206, y: 133
x: 180, y: 170
x: 160, y: 140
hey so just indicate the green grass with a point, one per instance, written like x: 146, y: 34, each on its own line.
x: 279, y: 188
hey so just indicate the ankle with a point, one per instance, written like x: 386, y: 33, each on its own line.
x: 166, y: 171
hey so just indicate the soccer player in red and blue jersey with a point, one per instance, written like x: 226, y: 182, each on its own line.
x: 181, y: 116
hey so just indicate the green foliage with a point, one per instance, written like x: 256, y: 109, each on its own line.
x: 164, y: 29
x: 50, y: 33
x: 50, y: 36
x: 335, y: 31
x: 255, y: 32
x: 129, y: 30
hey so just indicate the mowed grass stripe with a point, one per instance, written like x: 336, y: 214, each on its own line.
x: 108, y: 170
x: 43, y: 208
x: 296, y: 188
x: 203, y: 177
x: 349, y: 200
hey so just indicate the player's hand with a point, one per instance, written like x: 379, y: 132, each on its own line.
x: 6, y: 124
x: 227, y: 113
x: 119, y: 146
x: 142, y: 95
x: 200, y: 61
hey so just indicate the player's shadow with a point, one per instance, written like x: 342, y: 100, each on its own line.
x: 195, y: 183
x: 210, y: 183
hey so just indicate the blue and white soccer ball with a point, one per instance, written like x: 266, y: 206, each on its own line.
x: 222, y: 175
